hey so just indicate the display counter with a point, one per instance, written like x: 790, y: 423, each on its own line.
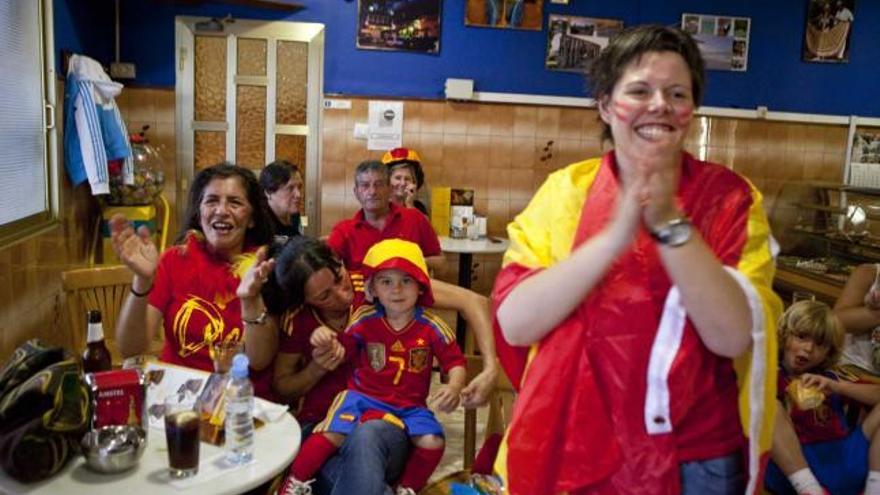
x: 789, y: 280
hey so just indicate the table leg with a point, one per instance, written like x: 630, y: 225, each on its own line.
x: 465, y: 261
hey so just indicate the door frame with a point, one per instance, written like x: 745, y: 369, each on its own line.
x: 185, y: 125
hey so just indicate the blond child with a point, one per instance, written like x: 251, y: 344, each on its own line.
x: 816, y: 448
x: 393, y: 343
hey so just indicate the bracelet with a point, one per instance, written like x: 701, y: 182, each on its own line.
x: 140, y: 294
x: 256, y: 321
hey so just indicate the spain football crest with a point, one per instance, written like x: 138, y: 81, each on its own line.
x: 376, y: 354
x: 418, y: 359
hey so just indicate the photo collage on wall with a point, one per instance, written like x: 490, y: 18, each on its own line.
x: 574, y: 42
x: 723, y: 40
x: 407, y: 25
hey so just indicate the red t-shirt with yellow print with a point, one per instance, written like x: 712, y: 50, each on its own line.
x: 196, y: 294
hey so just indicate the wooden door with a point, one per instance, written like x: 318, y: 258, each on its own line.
x: 249, y: 92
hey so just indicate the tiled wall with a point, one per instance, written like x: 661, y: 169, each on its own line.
x: 31, y: 302
x: 504, y: 152
x: 30, y: 282
x: 155, y: 108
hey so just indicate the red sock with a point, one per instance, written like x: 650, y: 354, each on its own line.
x: 312, y: 455
x: 485, y: 460
x: 419, y: 467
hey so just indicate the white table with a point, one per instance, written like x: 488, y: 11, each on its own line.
x: 466, y: 248
x: 276, y: 445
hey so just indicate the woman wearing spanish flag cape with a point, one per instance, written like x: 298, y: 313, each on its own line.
x: 650, y: 365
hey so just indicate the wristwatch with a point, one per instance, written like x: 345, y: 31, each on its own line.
x: 256, y: 321
x: 673, y: 233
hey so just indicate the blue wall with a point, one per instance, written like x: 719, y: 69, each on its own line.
x: 512, y: 61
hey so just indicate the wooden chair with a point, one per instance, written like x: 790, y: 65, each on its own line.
x: 103, y: 288
x: 500, y: 407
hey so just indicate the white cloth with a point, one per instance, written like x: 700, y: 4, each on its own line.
x: 858, y: 350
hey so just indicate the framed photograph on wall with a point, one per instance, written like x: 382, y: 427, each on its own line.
x: 408, y: 25
x: 723, y: 40
x: 828, y: 31
x: 574, y: 42
x: 510, y: 14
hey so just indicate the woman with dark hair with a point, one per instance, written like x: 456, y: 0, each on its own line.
x: 205, y: 289
x: 652, y: 274
x: 283, y: 186
x: 310, y: 288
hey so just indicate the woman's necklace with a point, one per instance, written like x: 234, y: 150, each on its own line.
x: 336, y: 321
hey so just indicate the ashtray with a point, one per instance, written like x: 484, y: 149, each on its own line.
x: 113, y: 449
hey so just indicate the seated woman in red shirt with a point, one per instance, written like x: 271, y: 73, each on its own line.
x: 191, y: 289
x: 316, y: 290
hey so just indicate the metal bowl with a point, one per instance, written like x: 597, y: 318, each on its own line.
x: 113, y: 449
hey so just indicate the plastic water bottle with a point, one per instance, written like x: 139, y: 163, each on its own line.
x: 239, y: 413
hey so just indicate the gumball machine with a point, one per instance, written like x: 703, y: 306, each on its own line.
x: 137, y: 201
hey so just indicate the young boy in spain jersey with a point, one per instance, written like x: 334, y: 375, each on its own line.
x: 817, y: 449
x: 393, y: 342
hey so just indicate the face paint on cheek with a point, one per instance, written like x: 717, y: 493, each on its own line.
x: 623, y: 112
x: 683, y: 115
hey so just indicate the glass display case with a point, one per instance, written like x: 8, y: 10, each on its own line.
x: 824, y: 230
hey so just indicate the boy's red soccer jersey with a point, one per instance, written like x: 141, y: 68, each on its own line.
x: 821, y: 424
x: 394, y: 366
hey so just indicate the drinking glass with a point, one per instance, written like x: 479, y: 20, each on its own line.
x: 223, y: 352
x: 182, y: 435
x: 797, y: 296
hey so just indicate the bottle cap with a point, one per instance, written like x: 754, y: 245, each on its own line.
x: 94, y: 316
x: 240, y: 365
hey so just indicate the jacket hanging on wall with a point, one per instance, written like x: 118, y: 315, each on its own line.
x: 93, y: 128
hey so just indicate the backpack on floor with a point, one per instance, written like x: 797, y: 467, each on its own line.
x: 44, y: 411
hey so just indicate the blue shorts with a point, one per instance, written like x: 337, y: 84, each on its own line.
x: 348, y: 407
x: 717, y: 476
x: 841, y: 466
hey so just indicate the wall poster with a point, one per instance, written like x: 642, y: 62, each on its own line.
x: 512, y: 14
x: 723, y: 40
x: 828, y: 30
x: 408, y: 25
x: 574, y: 42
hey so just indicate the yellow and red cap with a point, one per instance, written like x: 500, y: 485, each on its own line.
x: 400, y: 255
x: 405, y: 156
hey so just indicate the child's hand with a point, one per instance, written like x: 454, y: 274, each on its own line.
x: 446, y: 398
x: 819, y: 382
x: 323, y: 338
x: 329, y: 357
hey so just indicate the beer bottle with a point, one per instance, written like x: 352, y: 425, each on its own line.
x: 133, y: 419
x: 96, y: 356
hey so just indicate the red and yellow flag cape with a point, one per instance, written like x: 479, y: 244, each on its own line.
x: 566, y: 435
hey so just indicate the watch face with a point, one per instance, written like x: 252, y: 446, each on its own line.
x: 674, y: 233
x: 679, y: 234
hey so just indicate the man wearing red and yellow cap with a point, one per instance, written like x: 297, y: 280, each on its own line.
x: 393, y: 342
